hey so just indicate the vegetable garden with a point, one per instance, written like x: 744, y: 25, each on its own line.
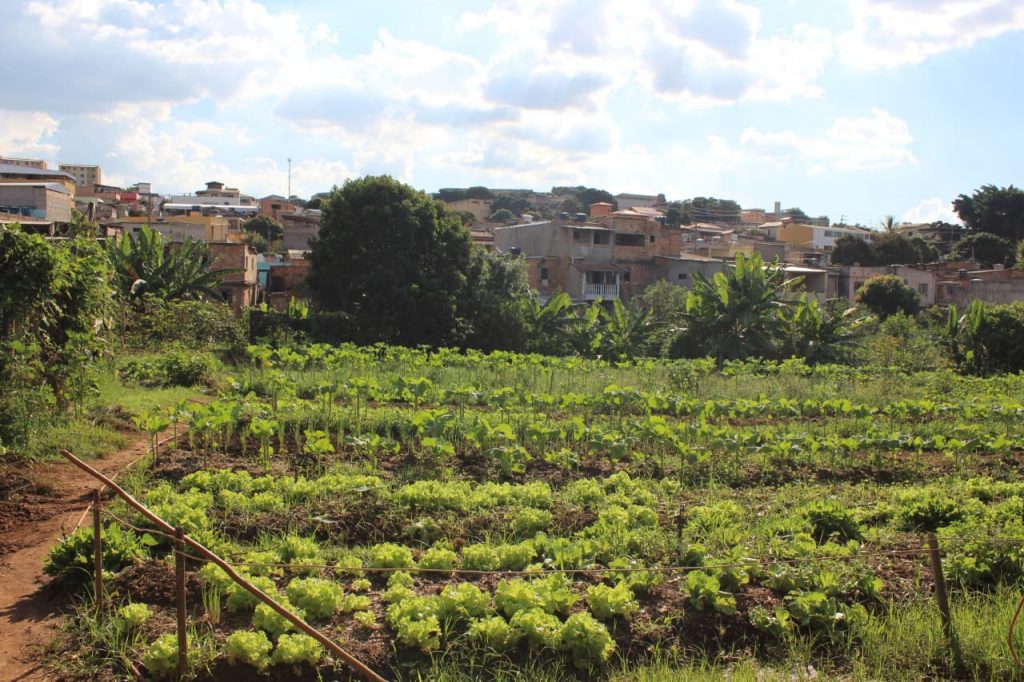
x: 458, y: 515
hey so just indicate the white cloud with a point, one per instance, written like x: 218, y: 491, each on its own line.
x: 24, y: 133
x: 930, y: 210
x: 889, y: 33
x: 873, y: 142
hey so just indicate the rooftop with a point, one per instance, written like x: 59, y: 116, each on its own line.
x: 13, y: 169
x: 52, y: 186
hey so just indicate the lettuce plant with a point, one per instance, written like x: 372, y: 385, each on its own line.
x: 250, y: 647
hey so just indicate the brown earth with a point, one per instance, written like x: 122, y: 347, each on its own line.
x: 39, y: 504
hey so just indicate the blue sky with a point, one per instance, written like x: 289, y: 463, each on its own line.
x: 855, y: 108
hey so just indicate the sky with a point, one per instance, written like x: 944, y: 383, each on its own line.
x: 856, y: 109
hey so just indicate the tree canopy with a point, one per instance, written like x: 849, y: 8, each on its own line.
x: 888, y: 248
x: 710, y: 209
x: 264, y: 226
x: 585, y: 196
x: 397, y: 263
x: 986, y: 248
x: 997, y: 210
x: 887, y: 295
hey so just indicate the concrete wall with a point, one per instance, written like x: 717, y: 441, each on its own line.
x: 922, y: 281
x: 298, y: 230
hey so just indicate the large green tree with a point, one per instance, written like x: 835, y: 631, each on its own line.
x: 986, y: 248
x: 264, y: 226
x: 393, y: 260
x: 887, y: 295
x: 999, y: 210
x: 850, y: 250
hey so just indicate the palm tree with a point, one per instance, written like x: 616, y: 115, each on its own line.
x: 823, y: 333
x: 547, y: 322
x: 888, y: 224
x: 625, y: 331
x: 146, y: 265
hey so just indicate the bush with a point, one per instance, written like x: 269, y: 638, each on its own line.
x: 154, y: 323
x: 887, y: 295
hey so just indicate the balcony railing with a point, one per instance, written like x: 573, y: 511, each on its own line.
x: 606, y: 291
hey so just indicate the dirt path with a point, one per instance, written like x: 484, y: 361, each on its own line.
x: 47, y: 501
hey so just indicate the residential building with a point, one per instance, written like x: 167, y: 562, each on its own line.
x: 480, y: 208
x: 45, y: 202
x: 812, y: 237
x: 31, y: 174
x: 215, y: 194
x: 615, y: 255
x: 84, y: 175
x: 195, y: 225
x: 853, y: 278
x: 299, y: 228
x: 943, y: 236
x: 627, y: 201
x: 274, y: 205
x: 27, y: 163
x: 283, y: 277
x: 240, y: 288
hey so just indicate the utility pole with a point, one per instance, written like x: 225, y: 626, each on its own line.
x: 289, y: 178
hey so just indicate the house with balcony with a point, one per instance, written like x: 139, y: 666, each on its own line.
x: 610, y: 255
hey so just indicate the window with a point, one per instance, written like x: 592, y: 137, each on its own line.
x: 577, y: 235
x: 544, y: 276
x: 681, y: 275
x: 623, y: 239
x: 652, y: 238
x: 922, y: 288
x: 602, y: 238
x: 625, y: 276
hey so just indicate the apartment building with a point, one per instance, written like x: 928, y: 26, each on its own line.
x: 215, y: 194
x: 85, y: 175
x: 42, y: 202
x: 13, y: 173
x: 26, y: 163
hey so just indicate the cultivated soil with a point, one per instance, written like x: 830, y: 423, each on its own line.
x: 39, y: 504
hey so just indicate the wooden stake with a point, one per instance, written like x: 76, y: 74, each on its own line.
x: 179, y: 574
x: 942, y: 598
x: 97, y: 554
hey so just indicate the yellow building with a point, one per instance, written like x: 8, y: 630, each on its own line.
x: 84, y: 175
x: 204, y: 228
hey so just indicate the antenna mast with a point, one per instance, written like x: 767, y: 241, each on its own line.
x: 289, y: 177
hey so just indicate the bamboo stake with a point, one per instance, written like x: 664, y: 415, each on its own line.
x: 97, y: 554
x: 356, y: 665
x: 179, y: 575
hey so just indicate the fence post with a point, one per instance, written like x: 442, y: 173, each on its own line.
x: 942, y: 597
x: 179, y: 571
x: 97, y: 554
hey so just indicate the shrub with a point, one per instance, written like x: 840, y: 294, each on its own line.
x: 175, y: 367
x: 248, y: 646
x: 887, y: 295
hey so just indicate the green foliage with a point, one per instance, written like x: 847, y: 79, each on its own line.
x: 71, y: 561
x: 161, y: 657
x: 462, y: 601
x: 176, y: 367
x: 997, y: 210
x: 266, y: 227
x: 736, y: 314
x: 392, y: 259
x: 705, y: 592
x: 318, y: 598
x: 438, y: 558
x: 927, y: 510
x: 151, y: 322
x: 273, y: 623
x: 986, y: 338
x: 298, y: 649
x: 607, y: 602
x: 987, y: 249
x: 134, y: 616
x: 851, y: 250
x: 832, y: 521
x: 492, y: 305
x: 887, y: 295
x: 539, y: 628
x: 145, y: 264
x: 250, y: 647
x: 586, y: 640
x: 494, y: 633
x: 389, y: 555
